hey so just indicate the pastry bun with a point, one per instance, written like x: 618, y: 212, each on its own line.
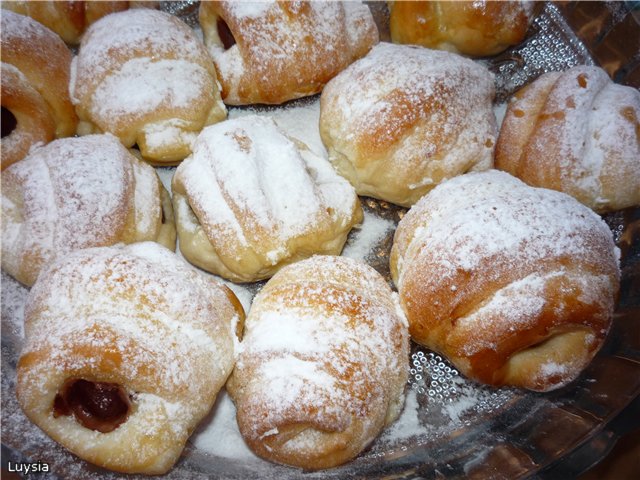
x: 76, y: 193
x: 323, y: 364
x: 250, y: 200
x: 402, y: 119
x: 478, y: 28
x: 271, y: 52
x: 515, y: 285
x: 144, y: 76
x: 126, y: 349
x: 576, y: 132
x: 36, y: 107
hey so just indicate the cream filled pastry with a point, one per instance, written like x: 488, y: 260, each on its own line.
x: 250, y: 200
x: 126, y: 349
x: 402, y: 119
x: 323, y: 364
x: 144, y: 76
x: 576, y: 132
x: 515, y: 285
x: 271, y: 52
x: 76, y: 193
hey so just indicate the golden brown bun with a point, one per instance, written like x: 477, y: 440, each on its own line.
x: 283, y: 50
x: 69, y: 19
x: 478, y: 28
x: 144, y: 76
x: 576, y: 132
x: 133, y: 319
x: 250, y: 200
x: 402, y: 119
x: 35, y: 79
x: 514, y: 285
x: 76, y: 193
x: 323, y: 364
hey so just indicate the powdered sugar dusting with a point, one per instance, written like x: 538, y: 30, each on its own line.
x: 403, y: 118
x: 482, y: 217
x: 320, y: 348
x: 246, y: 177
x: 125, y: 92
x: 284, y: 50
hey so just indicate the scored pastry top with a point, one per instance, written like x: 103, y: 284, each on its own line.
x: 75, y: 193
x: 577, y: 132
x: 257, y: 193
x: 322, y: 367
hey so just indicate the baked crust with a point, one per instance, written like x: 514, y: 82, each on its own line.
x: 402, y: 119
x: 76, y: 193
x: 576, y: 132
x: 250, y: 200
x: 323, y: 363
x: 514, y: 285
x: 35, y: 79
x: 478, y: 28
x: 133, y: 317
x: 144, y: 76
x: 283, y: 50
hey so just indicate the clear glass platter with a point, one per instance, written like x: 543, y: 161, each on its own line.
x: 451, y: 427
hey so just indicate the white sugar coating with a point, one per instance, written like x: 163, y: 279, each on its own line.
x: 220, y: 435
x: 367, y: 236
x: 123, y: 36
x: 499, y: 110
x: 489, y: 214
x: 166, y: 133
x: 65, y: 211
x: 246, y: 177
x: 520, y: 301
x: 147, y: 195
x: 298, y: 120
x: 407, y: 425
x: 166, y: 175
x: 251, y: 9
x: 14, y: 296
x: 285, y: 50
x: 324, y: 343
x: 142, y: 85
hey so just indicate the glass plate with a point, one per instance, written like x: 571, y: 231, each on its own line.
x: 451, y: 427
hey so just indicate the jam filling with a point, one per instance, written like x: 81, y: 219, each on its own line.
x: 224, y: 32
x: 97, y: 406
x: 8, y: 122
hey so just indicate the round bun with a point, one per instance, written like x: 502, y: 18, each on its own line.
x: 76, y: 193
x: 250, y: 200
x: 144, y: 76
x: 399, y: 121
x: 271, y: 52
x: 515, y: 285
x: 126, y: 349
x: 478, y: 28
x: 35, y: 79
x: 323, y: 364
x: 576, y: 132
